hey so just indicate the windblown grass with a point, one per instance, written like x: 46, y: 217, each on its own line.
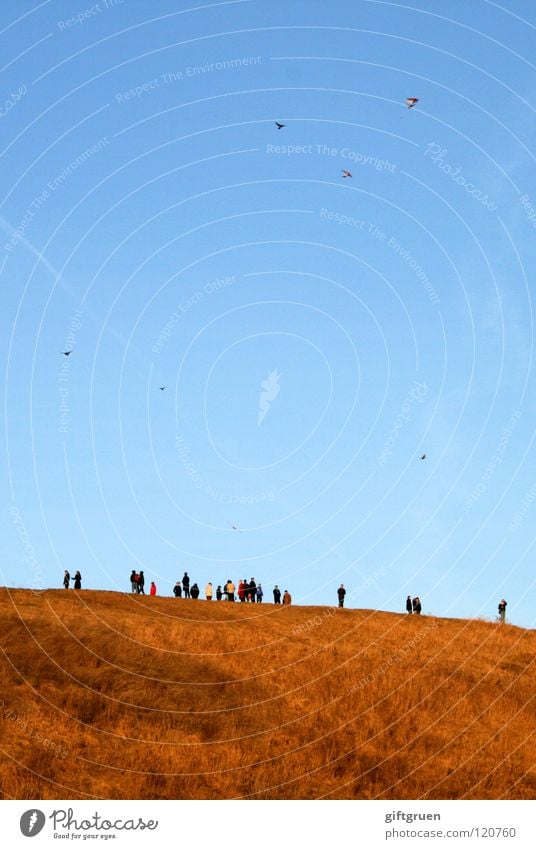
x: 109, y: 695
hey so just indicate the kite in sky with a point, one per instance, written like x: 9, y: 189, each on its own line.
x: 66, y: 353
x: 279, y: 126
x: 346, y: 173
x: 411, y: 101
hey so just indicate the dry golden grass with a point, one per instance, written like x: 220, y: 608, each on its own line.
x: 108, y: 695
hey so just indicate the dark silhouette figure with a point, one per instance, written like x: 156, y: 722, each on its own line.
x: 409, y: 606
x: 417, y: 605
x: 502, y: 610
x: 186, y: 585
x: 177, y: 590
x: 141, y: 583
x: 277, y: 595
x: 341, y: 592
x: 194, y: 592
x: 252, y: 590
x: 218, y: 592
x: 260, y: 593
x: 77, y: 580
x: 66, y: 353
x: 133, y: 581
x: 279, y: 126
x: 66, y: 579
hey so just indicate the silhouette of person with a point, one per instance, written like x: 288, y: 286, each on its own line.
x: 277, y: 595
x: 341, y: 592
x: 417, y: 605
x: 66, y: 579
x: 502, y: 610
x: 77, y: 580
x: 259, y: 593
x: 409, y: 606
x: 141, y: 583
x: 194, y: 591
x: 133, y: 581
x: 186, y: 585
x: 177, y: 590
x: 218, y: 592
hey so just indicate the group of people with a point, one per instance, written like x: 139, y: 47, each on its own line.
x: 137, y: 583
x: 77, y: 585
x: 248, y: 591
x: 413, y: 605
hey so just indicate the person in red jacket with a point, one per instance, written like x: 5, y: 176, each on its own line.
x: 153, y: 588
x: 287, y: 598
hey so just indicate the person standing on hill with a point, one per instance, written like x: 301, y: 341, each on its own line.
x: 230, y: 590
x: 186, y: 585
x: 218, y: 592
x: 409, y: 606
x: 341, y: 592
x: 194, y: 591
x: 141, y: 583
x: 417, y: 605
x: 66, y: 579
x: 277, y: 595
x: 259, y: 593
x: 77, y: 580
x: 133, y: 582
x: 502, y: 610
x: 241, y: 590
x: 177, y: 590
x: 252, y: 590
x: 208, y: 591
x: 287, y: 598
x: 153, y: 588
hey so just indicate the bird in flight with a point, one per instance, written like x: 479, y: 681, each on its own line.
x: 423, y: 457
x: 411, y: 101
x: 279, y: 126
x: 346, y: 173
x: 66, y: 353
x: 161, y: 388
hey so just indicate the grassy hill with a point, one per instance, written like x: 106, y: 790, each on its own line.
x: 109, y: 695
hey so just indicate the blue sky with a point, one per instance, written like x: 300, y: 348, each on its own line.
x: 315, y: 334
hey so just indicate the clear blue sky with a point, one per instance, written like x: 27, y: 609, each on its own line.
x: 316, y: 334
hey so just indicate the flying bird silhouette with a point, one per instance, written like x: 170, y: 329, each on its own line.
x: 66, y: 353
x: 346, y: 173
x: 423, y: 457
x: 279, y: 126
x: 161, y: 388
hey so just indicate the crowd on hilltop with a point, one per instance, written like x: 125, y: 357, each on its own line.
x: 246, y: 591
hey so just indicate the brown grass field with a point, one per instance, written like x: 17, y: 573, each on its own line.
x: 107, y: 695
